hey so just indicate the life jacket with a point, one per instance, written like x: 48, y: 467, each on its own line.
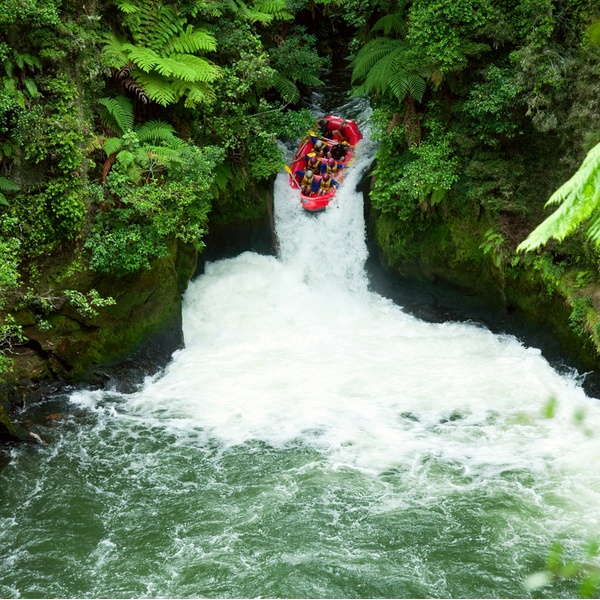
x: 333, y: 169
x: 306, y: 180
x: 320, y: 151
x: 325, y: 185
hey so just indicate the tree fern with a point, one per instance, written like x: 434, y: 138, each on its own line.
x: 131, y: 146
x: 160, y: 58
x: 579, y: 201
x: 371, y: 53
x: 383, y: 65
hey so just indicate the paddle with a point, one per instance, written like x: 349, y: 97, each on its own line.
x: 288, y: 169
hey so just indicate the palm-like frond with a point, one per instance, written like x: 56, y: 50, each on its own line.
x: 8, y: 185
x: 579, y: 200
x: 381, y: 64
x: 402, y: 83
x: 192, y: 41
x: 127, y: 7
x: 159, y: 89
x: 113, y: 52
x: 190, y: 68
x: 371, y: 53
x: 112, y: 145
x: 198, y: 93
x: 143, y: 58
x: 117, y: 114
x: 276, y: 8
x: 155, y: 131
x: 392, y: 23
x: 164, y: 155
x: 286, y: 88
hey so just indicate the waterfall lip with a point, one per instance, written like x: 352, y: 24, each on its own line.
x: 340, y: 137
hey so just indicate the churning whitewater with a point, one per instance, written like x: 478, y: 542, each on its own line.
x: 310, y: 440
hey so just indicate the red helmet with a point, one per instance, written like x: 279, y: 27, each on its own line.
x: 313, y: 160
x: 331, y: 162
x: 325, y: 176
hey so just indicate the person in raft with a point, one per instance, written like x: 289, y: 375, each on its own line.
x: 320, y: 148
x: 312, y: 163
x: 331, y: 167
x: 326, y: 182
x: 339, y: 151
x: 332, y: 134
x: 308, y: 184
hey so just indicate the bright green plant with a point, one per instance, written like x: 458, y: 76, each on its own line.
x: 385, y: 65
x: 6, y: 185
x: 579, y: 202
x: 160, y: 61
x: 138, y: 150
x: 295, y: 61
x: 87, y: 303
x: 493, y: 247
x: 150, y: 216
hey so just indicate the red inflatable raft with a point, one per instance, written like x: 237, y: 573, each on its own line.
x: 340, y: 136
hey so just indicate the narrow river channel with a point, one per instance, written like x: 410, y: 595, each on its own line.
x: 312, y: 440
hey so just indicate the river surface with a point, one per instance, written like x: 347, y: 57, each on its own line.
x: 312, y: 440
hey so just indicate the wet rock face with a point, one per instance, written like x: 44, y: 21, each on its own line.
x: 123, y: 342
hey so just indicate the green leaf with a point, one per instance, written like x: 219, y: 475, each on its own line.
x: 112, y: 145
x: 579, y: 200
x: 8, y: 185
x: 118, y: 114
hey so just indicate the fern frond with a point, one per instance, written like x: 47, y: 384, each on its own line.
x: 164, y: 155
x: 287, y: 89
x: 8, y: 185
x: 127, y: 7
x: 307, y: 78
x: 112, y: 145
x: 143, y: 58
x: 31, y: 88
x: 192, y: 41
x: 402, y: 83
x: 276, y: 8
x: 117, y: 114
x: 377, y: 80
x: 198, y: 93
x: 579, y: 200
x: 392, y: 23
x: 113, y: 52
x: 27, y: 60
x: 371, y: 53
x: 154, y: 131
x: 189, y: 68
x: 157, y: 88
x: 159, y: 27
x: 125, y: 158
